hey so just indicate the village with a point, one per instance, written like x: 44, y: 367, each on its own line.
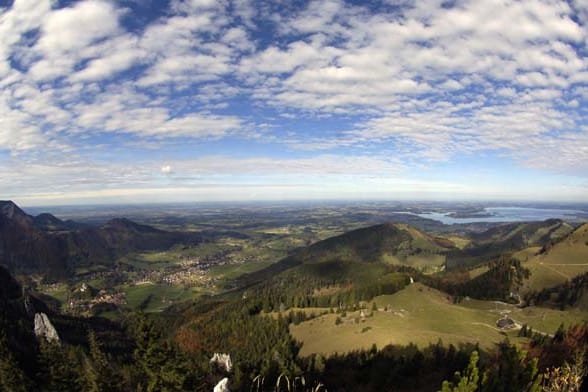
x: 82, y: 298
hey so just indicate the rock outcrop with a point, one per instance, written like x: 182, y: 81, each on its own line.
x: 223, y: 361
x: 44, y: 329
x: 222, y: 386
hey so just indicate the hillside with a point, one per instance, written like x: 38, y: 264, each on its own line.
x: 421, y: 315
x: 560, y: 262
x: 53, y: 248
x: 570, y: 294
x: 25, y: 247
x: 394, y: 243
x: 361, y: 251
x: 507, y: 239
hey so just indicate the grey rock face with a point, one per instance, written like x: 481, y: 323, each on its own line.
x: 44, y: 329
x: 222, y: 386
x: 223, y: 361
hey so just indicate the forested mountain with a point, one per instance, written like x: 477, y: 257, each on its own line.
x: 363, y: 253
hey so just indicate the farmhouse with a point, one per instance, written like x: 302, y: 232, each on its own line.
x: 505, y: 323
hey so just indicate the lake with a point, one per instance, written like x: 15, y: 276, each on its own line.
x: 509, y: 214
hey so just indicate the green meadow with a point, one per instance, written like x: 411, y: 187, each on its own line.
x: 422, y: 315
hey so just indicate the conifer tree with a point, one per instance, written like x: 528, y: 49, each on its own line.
x: 99, y: 375
x: 512, y: 371
x: 159, y: 362
x: 469, y: 381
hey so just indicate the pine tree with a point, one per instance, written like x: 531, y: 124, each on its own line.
x: 469, y: 381
x: 99, y: 375
x: 512, y: 371
x: 161, y: 367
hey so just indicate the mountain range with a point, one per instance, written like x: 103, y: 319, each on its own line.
x: 48, y: 246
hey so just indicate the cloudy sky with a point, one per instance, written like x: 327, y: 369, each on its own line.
x: 154, y: 101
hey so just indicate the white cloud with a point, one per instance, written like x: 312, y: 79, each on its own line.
x: 358, y: 58
x: 23, y: 16
x: 115, y: 55
x: 73, y: 28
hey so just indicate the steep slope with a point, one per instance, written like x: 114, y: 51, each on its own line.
x: 525, y: 233
x: 506, y: 239
x: 570, y: 294
x: 10, y: 211
x: 117, y: 237
x: 17, y: 311
x: 25, y: 247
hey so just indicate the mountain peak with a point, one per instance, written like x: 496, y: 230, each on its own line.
x: 49, y: 222
x: 9, y: 209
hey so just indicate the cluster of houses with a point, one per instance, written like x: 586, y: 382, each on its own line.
x: 86, y: 303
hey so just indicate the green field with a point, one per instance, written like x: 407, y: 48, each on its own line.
x: 458, y: 241
x: 59, y: 291
x: 559, y: 264
x: 422, y: 315
x: 156, y: 297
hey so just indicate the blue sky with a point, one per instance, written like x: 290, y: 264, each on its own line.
x: 155, y: 101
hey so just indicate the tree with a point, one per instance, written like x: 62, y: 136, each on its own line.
x: 512, y: 371
x: 469, y: 381
x: 567, y: 378
x: 158, y: 361
x: 99, y: 375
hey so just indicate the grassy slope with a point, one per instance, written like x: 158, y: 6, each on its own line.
x: 422, y: 315
x: 561, y: 262
x: 505, y: 239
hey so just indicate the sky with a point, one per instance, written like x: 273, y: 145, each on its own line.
x: 222, y: 100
